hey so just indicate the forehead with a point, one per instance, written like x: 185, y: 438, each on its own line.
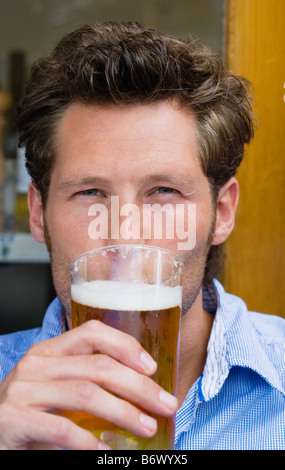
x: 159, y: 134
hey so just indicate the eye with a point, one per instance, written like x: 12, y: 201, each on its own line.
x: 165, y: 190
x: 91, y: 192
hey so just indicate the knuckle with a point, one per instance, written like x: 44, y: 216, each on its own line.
x: 92, y: 326
x: 13, y: 392
x: 148, y: 389
x: 43, y: 348
x: 125, y: 412
x: 26, y: 366
x: 34, y: 349
x: 6, y: 414
x: 84, y: 392
x: 132, y: 342
x: 128, y: 417
x: 147, y: 384
x: 102, y: 362
x: 92, y: 332
x: 31, y: 350
x: 129, y: 347
x: 131, y: 350
x: 61, y: 430
x: 104, y: 367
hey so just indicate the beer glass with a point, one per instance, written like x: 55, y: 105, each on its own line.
x: 136, y: 289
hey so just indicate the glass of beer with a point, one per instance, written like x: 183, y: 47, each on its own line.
x: 136, y: 289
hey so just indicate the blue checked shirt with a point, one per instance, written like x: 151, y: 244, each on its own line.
x: 239, y: 400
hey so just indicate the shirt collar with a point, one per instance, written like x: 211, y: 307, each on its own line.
x: 54, y: 322
x: 233, y: 342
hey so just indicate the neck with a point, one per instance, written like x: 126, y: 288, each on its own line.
x: 196, y: 327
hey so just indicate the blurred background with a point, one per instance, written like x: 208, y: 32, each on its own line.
x: 249, y: 35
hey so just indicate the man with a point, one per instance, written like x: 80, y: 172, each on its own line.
x: 121, y: 110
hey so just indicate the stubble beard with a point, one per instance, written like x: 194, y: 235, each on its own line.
x: 194, y: 268
x: 60, y: 273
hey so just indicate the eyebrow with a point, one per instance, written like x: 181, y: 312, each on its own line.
x: 89, y: 180
x: 171, y: 178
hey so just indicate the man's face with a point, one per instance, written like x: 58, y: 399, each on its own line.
x: 142, y: 154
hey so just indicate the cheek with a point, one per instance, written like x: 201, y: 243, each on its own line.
x: 68, y: 238
x: 185, y: 230
x: 194, y: 224
x: 68, y: 232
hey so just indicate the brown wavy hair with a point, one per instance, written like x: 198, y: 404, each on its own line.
x: 125, y: 63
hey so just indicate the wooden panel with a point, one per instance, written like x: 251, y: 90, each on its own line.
x: 255, y: 263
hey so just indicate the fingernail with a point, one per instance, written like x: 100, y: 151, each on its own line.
x: 148, y: 362
x: 148, y: 422
x: 103, y: 446
x: 170, y: 401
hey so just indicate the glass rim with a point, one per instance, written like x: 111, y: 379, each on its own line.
x: 140, y: 246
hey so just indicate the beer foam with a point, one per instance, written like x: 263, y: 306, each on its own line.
x: 114, y: 295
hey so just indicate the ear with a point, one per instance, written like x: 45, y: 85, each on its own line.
x: 226, y: 209
x: 36, y: 213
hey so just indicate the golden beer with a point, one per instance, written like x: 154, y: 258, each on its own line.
x: 150, y: 313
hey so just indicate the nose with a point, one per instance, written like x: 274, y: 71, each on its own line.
x: 126, y: 223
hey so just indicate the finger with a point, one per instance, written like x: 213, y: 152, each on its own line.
x: 93, y: 336
x: 37, y: 429
x: 90, y: 398
x: 100, y: 369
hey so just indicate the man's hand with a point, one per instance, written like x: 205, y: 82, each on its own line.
x: 64, y: 373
